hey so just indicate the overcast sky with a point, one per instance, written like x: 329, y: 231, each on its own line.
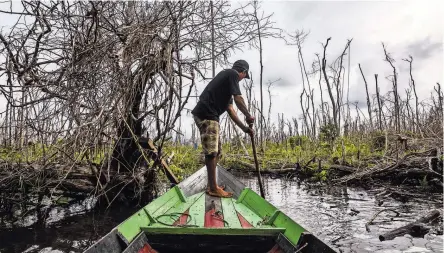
x: 406, y: 27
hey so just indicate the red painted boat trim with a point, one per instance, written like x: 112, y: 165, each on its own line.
x: 213, y: 219
x: 147, y: 249
x: 243, y: 221
x: 182, y: 219
x: 275, y: 249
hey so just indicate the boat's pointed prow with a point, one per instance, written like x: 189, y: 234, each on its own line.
x: 186, y: 219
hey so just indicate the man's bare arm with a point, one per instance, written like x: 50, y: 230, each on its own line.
x: 240, y: 103
x: 235, y: 118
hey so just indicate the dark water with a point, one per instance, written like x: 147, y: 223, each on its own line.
x: 326, y: 212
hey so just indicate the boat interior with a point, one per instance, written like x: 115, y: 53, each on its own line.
x: 186, y: 219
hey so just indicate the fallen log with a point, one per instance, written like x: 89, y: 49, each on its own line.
x: 289, y: 168
x: 343, y: 168
x: 382, y: 170
x: 242, y: 166
x: 284, y: 170
x: 406, y: 193
x: 417, y: 173
x: 416, y: 228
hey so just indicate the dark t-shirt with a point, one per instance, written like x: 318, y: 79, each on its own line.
x: 216, y: 97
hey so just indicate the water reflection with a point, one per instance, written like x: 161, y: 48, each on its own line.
x: 72, y: 233
x: 338, y: 216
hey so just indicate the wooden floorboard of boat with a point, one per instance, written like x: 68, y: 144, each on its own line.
x: 214, y: 217
x: 231, y: 183
x: 198, y: 185
x: 230, y: 214
x: 197, y: 211
x: 252, y: 218
x: 195, y: 183
x: 199, y: 235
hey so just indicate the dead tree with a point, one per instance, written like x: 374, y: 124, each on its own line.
x: 335, y: 86
x: 394, y: 80
x: 320, y: 90
x: 379, y: 103
x: 304, y: 112
x: 261, y: 130
x: 329, y: 87
x: 439, y: 92
x: 348, y: 86
x: 296, y: 127
x: 369, y: 108
x: 413, y: 87
x: 107, y: 75
x: 337, y: 82
x: 298, y: 39
x: 264, y: 29
x: 248, y: 86
x: 268, y: 124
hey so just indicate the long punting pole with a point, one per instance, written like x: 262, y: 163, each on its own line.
x: 261, y: 188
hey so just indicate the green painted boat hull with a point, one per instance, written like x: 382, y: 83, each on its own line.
x: 185, y: 219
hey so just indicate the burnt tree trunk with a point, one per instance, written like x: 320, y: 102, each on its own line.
x: 390, y: 60
x: 416, y: 96
x: 330, y: 93
x: 320, y: 89
x: 379, y: 103
x: 369, y: 107
x: 125, y: 151
x: 259, y: 38
x: 440, y: 100
x: 304, y: 111
x: 339, y: 89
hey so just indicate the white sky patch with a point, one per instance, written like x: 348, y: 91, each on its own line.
x: 406, y: 27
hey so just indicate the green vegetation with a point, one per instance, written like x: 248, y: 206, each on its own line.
x: 31, y: 153
x: 351, y: 151
x: 50, y: 153
x: 185, y: 161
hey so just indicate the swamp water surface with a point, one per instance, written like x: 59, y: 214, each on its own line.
x: 326, y: 212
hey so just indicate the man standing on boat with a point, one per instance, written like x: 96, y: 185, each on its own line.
x: 218, y: 97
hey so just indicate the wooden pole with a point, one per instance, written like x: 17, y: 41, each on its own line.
x: 261, y: 188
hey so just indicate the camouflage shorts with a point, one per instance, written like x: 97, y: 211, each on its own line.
x: 209, y: 136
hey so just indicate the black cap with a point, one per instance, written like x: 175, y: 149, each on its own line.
x: 242, y: 66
